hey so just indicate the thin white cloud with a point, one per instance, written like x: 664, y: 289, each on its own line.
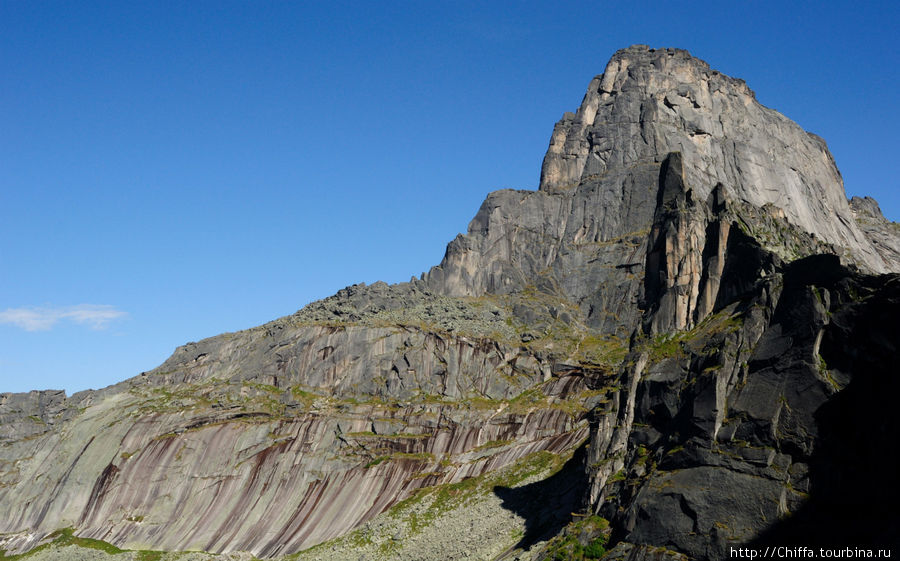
x: 41, y: 319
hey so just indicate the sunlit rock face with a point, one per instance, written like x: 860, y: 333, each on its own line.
x: 650, y: 102
x: 251, y: 441
x: 584, y: 234
x: 687, y: 308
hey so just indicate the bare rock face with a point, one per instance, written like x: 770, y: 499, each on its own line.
x: 884, y: 235
x: 278, y: 438
x: 584, y: 234
x: 685, y: 315
x: 739, y: 431
x: 649, y: 103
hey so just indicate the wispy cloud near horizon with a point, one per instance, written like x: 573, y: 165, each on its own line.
x: 95, y: 316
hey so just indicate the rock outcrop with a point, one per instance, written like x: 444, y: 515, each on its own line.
x: 584, y: 233
x: 278, y: 438
x: 884, y: 235
x: 737, y: 431
x: 686, y: 317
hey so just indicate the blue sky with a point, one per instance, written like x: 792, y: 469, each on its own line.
x: 174, y: 170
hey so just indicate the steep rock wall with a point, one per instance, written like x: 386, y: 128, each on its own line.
x: 278, y: 438
x: 739, y: 430
x: 650, y: 102
x: 583, y: 234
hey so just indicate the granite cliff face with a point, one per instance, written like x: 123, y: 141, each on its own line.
x: 600, y: 184
x: 687, y: 331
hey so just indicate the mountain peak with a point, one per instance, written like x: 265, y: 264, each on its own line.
x: 588, y: 233
x: 649, y: 103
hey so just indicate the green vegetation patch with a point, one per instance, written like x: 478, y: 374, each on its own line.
x: 395, y: 436
x: 707, y: 332
x: 62, y: 538
x: 66, y: 537
x: 535, y: 398
x: 493, y: 444
x: 582, y: 539
x: 416, y: 456
x: 666, y: 346
x: 430, y: 503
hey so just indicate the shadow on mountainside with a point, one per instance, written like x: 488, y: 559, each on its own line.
x: 854, y: 490
x: 547, y: 505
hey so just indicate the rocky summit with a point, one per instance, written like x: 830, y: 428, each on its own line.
x: 680, y: 347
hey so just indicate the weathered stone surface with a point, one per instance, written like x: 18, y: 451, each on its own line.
x: 584, y: 235
x: 650, y: 102
x: 625, y: 551
x: 727, y: 423
x: 884, y: 235
x: 252, y: 441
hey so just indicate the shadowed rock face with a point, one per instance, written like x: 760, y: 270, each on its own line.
x: 747, y: 429
x: 683, y: 294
